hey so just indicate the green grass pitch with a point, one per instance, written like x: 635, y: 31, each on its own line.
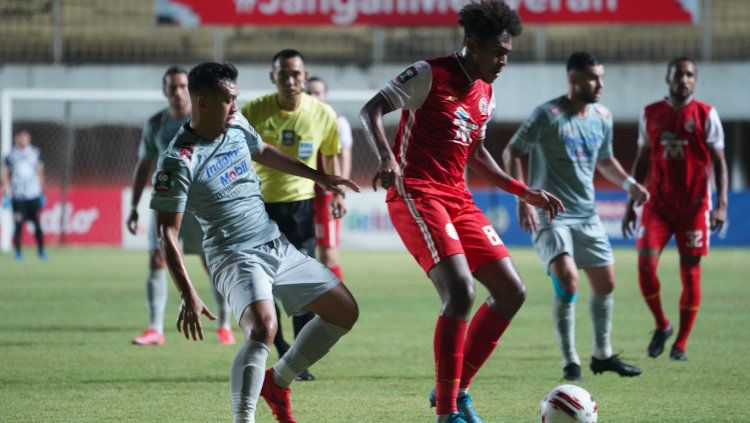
x: 65, y: 353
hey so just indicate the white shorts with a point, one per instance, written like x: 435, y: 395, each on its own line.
x: 191, y: 234
x: 275, y: 269
x: 586, y: 242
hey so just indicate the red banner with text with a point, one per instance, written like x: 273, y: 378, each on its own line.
x: 417, y: 12
x: 88, y: 216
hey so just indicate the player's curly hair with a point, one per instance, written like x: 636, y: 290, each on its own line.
x: 207, y: 76
x: 486, y: 19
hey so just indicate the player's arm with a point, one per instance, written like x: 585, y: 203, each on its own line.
x: 514, y: 160
x: 273, y: 157
x: 371, y: 116
x: 332, y: 166
x: 639, y: 173
x: 140, y: 177
x: 168, y: 224
x: 611, y: 168
x: 721, y: 176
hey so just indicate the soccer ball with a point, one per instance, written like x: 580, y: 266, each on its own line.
x: 569, y: 403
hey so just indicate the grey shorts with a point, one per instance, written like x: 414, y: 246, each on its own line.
x: 191, y: 234
x: 587, y: 243
x: 275, y: 269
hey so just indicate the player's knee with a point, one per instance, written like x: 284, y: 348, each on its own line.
x: 565, y: 289
x: 460, y: 299
x: 264, y: 329
x: 156, y: 260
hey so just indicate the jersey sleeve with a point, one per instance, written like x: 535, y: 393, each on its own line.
x: 254, y: 143
x: 606, y: 149
x: 330, y: 145
x: 642, y: 131
x: 531, y: 132
x: 345, y: 132
x: 714, y: 131
x: 171, y: 183
x: 147, y: 148
x: 410, y: 88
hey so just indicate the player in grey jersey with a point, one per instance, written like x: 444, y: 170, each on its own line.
x: 207, y: 169
x: 157, y: 134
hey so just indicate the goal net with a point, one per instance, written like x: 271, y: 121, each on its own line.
x: 89, y: 142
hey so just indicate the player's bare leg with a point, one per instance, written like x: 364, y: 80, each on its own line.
x: 601, y: 305
x: 329, y: 256
x: 258, y: 322
x: 565, y: 280
x: 156, y: 300
x: 455, y: 286
x: 336, y: 312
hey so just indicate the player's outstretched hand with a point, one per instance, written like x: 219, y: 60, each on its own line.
x: 638, y: 193
x: 337, y: 206
x: 333, y: 183
x: 544, y: 200
x: 629, y: 220
x: 717, y: 217
x: 132, y: 222
x: 387, y: 172
x: 191, y: 310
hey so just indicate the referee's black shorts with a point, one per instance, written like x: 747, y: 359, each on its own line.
x: 295, y: 220
x: 27, y: 209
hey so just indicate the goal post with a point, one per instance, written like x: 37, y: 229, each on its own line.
x: 88, y: 140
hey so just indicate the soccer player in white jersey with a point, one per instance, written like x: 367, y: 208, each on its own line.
x: 207, y: 169
x: 568, y: 139
x: 157, y: 134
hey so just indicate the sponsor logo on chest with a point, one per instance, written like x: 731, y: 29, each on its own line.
x: 231, y: 175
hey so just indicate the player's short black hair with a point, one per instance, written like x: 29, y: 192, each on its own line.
x: 580, y: 60
x: 676, y: 61
x: 209, y: 75
x: 172, y: 70
x: 318, y: 79
x: 484, y: 20
x: 286, y: 53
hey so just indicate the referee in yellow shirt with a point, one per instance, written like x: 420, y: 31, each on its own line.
x: 300, y: 126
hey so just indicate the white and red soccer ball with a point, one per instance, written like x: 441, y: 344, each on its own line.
x: 569, y: 403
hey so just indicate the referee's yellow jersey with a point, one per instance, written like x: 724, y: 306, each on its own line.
x: 301, y: 134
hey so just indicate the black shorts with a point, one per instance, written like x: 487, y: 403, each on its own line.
x: 295, y: 220
x: 26, y: 209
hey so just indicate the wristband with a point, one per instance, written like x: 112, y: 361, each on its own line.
x: 516, y: 187
x: 628, y: 182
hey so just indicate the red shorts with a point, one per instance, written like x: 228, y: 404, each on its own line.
x: 691, y: 230
x: 433, y: 228
x: 326, y: 227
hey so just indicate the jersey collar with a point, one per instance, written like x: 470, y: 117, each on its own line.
x: 461, y: 65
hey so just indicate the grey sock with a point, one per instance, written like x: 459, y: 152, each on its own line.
x: 601, y: 307
x: 246, y: 379
x: 156, y: 298
x: 564, y: 316
x: 311, y: 344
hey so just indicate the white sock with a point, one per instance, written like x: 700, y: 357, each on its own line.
x: 311, y: 344
x: 463, y: 391
x: 246, y: 379
x: 156, y: 298
x: 564, y: 316
x: 601, y: 307
x: 222, y: 308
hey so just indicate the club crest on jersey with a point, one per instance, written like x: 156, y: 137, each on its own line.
x: 690, y: 126
x: 288, y: 137
x: 483, y: 106
x: 407, y: 74
x: 162, y: 181
x: 186, y: 152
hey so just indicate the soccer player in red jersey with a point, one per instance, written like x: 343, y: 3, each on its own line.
x: 679, y: 138
x: 446, y: 104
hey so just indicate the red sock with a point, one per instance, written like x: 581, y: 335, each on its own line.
x: 689, y: 301
x: 649, y: 283
x: 337, y: 271
x: 450, y: 334
x: 485, y: 330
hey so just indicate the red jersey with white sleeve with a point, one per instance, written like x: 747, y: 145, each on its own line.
x: 680, y: 161
x: 444, y: 112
